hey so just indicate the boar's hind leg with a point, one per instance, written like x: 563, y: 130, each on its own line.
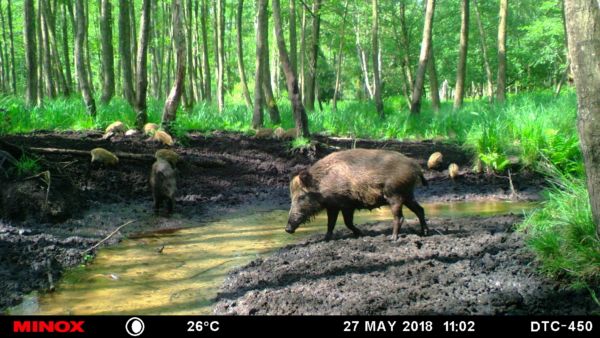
x: 170, y: 205
x: 349, y: 221
x: 156, y: 204
x: 418, y: 210
x: 396, y: 206
x: 332, y: 215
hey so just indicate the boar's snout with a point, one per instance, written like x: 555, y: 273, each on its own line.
x: 290, y: 229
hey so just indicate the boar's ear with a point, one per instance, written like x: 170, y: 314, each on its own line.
x: 305, y: 178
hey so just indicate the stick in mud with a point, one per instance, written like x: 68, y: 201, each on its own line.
x: 109, y: 236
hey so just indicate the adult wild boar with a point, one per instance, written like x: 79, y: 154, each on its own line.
x: 356, y: 179
x: 162, y: 184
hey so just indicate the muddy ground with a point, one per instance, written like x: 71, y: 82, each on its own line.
x: 224, y: 172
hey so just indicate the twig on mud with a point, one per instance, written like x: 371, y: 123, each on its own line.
x: 513, y: 193
x: 439, y: 232
x: 107, y: 237
x: 69, y: 163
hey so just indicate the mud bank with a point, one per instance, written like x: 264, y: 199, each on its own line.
x: 469, y: 266
x: 221, y: 173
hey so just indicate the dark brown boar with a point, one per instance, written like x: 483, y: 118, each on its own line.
x: 162, y: 184
x: 356, y: 179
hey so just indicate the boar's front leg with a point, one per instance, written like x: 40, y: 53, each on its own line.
x: 332, y: 215
x: 396, y: 206
x: 349, y: 221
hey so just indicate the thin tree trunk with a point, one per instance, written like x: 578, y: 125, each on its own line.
x: 293, y: 40
x: 583, y: 31
x: 362, y: 60
x: 190, y: 59
x: 66, y: 50
x: 108, y: 63
x: 302, y: 72
x: 220, y: 18
x: 55, y: 56
x: 340, y: 58
x: 433, y: 81
x: 125, y: 51
x: 300, y: 118
x: 5, y: 51
x: 40, y: 54
x: 462, y: 57
x: 565, y: 75
x: 133, y: 31
x: 501, y: 89
x: 205, y: 59
x: 174, y: 98
x: 415, y: 105
x: 312, y: 78
x: 486, y: 63
x: 197, y: 53
x: 45, y: 50
x: 240, y: 54
x: 80, y: 68
x: 12, y: 48
x: 269, y: 98
x: 142, y: 67
x: 261, y: 14
x: 31, y: 97
x: 376, y: 65
x: 406, y: 43
x: 87, y: 48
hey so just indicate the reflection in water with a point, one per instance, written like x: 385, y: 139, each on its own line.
x: 136, y: 277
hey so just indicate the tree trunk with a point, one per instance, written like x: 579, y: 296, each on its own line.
x: 66, y: 50
x: 31, y: 95
x: 462, y: 57
x: 125, y: 51
x: 80, y: 67
x: 142, y: 67
x: 191, y: 72
x: 261, y: 14
x: 240, y: 54
x: 220, y: 17
x: 433, y: 81
x: 376, y: 65
x: 314, y: 55
x: 293, y: 40
x: 501, y: 89
x: 205, y: 59
x: 269, y: 98
x: 340, y: 58
x: 55, y: 56
x: 300, y: 118
x: 583, y: 31
x: 362, y: 60
x: 567, y: 71
x: 45, y: 50
x: 133, y: 40
x: 415, y: 105
x: 5, y: 51
x: 486, y: 63
x: 12, y: 49
x: 406, y: 43
x: 108, y: 64
x: 174, y: 98
x: 302, y: 71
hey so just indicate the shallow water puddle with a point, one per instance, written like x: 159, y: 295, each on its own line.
x: 180, y: 272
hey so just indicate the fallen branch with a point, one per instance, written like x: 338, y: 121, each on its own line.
x: 107, y: 237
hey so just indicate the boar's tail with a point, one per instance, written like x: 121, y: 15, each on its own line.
x: 423, y: 180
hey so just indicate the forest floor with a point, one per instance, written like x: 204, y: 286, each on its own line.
x: 474, y: 265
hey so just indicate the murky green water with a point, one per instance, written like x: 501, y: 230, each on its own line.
x: 133, y: 277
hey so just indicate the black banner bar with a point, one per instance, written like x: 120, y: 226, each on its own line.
x: 332, y: 326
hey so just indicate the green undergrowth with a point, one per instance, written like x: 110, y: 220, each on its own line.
x: 528, y: 127
x: 563, y: 235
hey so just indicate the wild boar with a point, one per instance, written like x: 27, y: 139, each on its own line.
x: 453, y: 170
x: 100, y: 158
x: 167, y: 155
x: 162, y: 184
x: 356, y: 179
x: 435, y: 160
x: 163, y: 138
x: 150, y: 128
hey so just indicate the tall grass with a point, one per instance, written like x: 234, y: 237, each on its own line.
x: 563, y: 235
x: 528, y: 127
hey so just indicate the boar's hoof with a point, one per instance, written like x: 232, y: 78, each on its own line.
x: 328, y: 237
x: 358, y: 233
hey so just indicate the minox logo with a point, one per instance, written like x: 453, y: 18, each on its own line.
x: 41, y: 326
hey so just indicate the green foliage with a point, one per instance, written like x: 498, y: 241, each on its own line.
x: 27, y: 165
x: 300, y: 142
x: 562, y: 232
